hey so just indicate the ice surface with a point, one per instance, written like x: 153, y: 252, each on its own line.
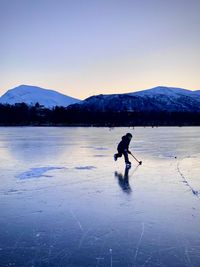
x: 66, y: 202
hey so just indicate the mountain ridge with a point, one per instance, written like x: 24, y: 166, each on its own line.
x: 159, y: 98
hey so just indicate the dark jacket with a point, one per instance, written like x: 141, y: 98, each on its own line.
x: 124, y: 144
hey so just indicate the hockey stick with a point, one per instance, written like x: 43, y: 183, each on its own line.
x: 140, y: 162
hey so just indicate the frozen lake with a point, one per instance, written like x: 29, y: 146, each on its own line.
x: 66, y: 203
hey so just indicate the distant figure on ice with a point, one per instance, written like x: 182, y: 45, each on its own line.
x: 123, y: 149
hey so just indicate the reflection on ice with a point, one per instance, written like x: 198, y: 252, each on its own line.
x: 123, y: 180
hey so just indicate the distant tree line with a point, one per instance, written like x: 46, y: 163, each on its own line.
x: 37, y: 115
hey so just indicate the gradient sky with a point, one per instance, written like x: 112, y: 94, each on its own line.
x: 87, y: 47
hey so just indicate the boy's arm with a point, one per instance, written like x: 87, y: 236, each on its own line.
x: 129, y: 152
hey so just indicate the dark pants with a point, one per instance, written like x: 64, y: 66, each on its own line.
x: 125, y: 153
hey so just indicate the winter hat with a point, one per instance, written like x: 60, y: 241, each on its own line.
x: 129, y: 135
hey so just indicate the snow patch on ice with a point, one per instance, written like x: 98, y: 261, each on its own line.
x: 37, y: 172
x: 95, y: 147
x: 85, y: 168
x: 101, y: 156
x: 101, y: 148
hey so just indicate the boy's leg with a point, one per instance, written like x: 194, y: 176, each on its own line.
x: 118, y: 155
x: 125, y: 153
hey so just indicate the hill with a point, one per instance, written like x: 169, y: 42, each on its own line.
x: 33, y: 94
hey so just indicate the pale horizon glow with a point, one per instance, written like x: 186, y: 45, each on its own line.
x: 81, y: 48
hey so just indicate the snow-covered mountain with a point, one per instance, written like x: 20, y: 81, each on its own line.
x: 33, y: 94
x: 166, y: 91
x: 156, y: 99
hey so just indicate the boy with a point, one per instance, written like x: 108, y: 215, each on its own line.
x: 123, y: 148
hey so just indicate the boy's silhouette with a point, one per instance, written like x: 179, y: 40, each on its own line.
x: 123, y: 148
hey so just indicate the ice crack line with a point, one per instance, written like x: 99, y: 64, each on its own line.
x: 138, y: 245
x: 188, y: 257
x: 196, y: 193
x: 75, y: 218
x: 98, y: 260
x: 111, y: 258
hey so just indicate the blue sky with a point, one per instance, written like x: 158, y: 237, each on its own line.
x: 81, y: 48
